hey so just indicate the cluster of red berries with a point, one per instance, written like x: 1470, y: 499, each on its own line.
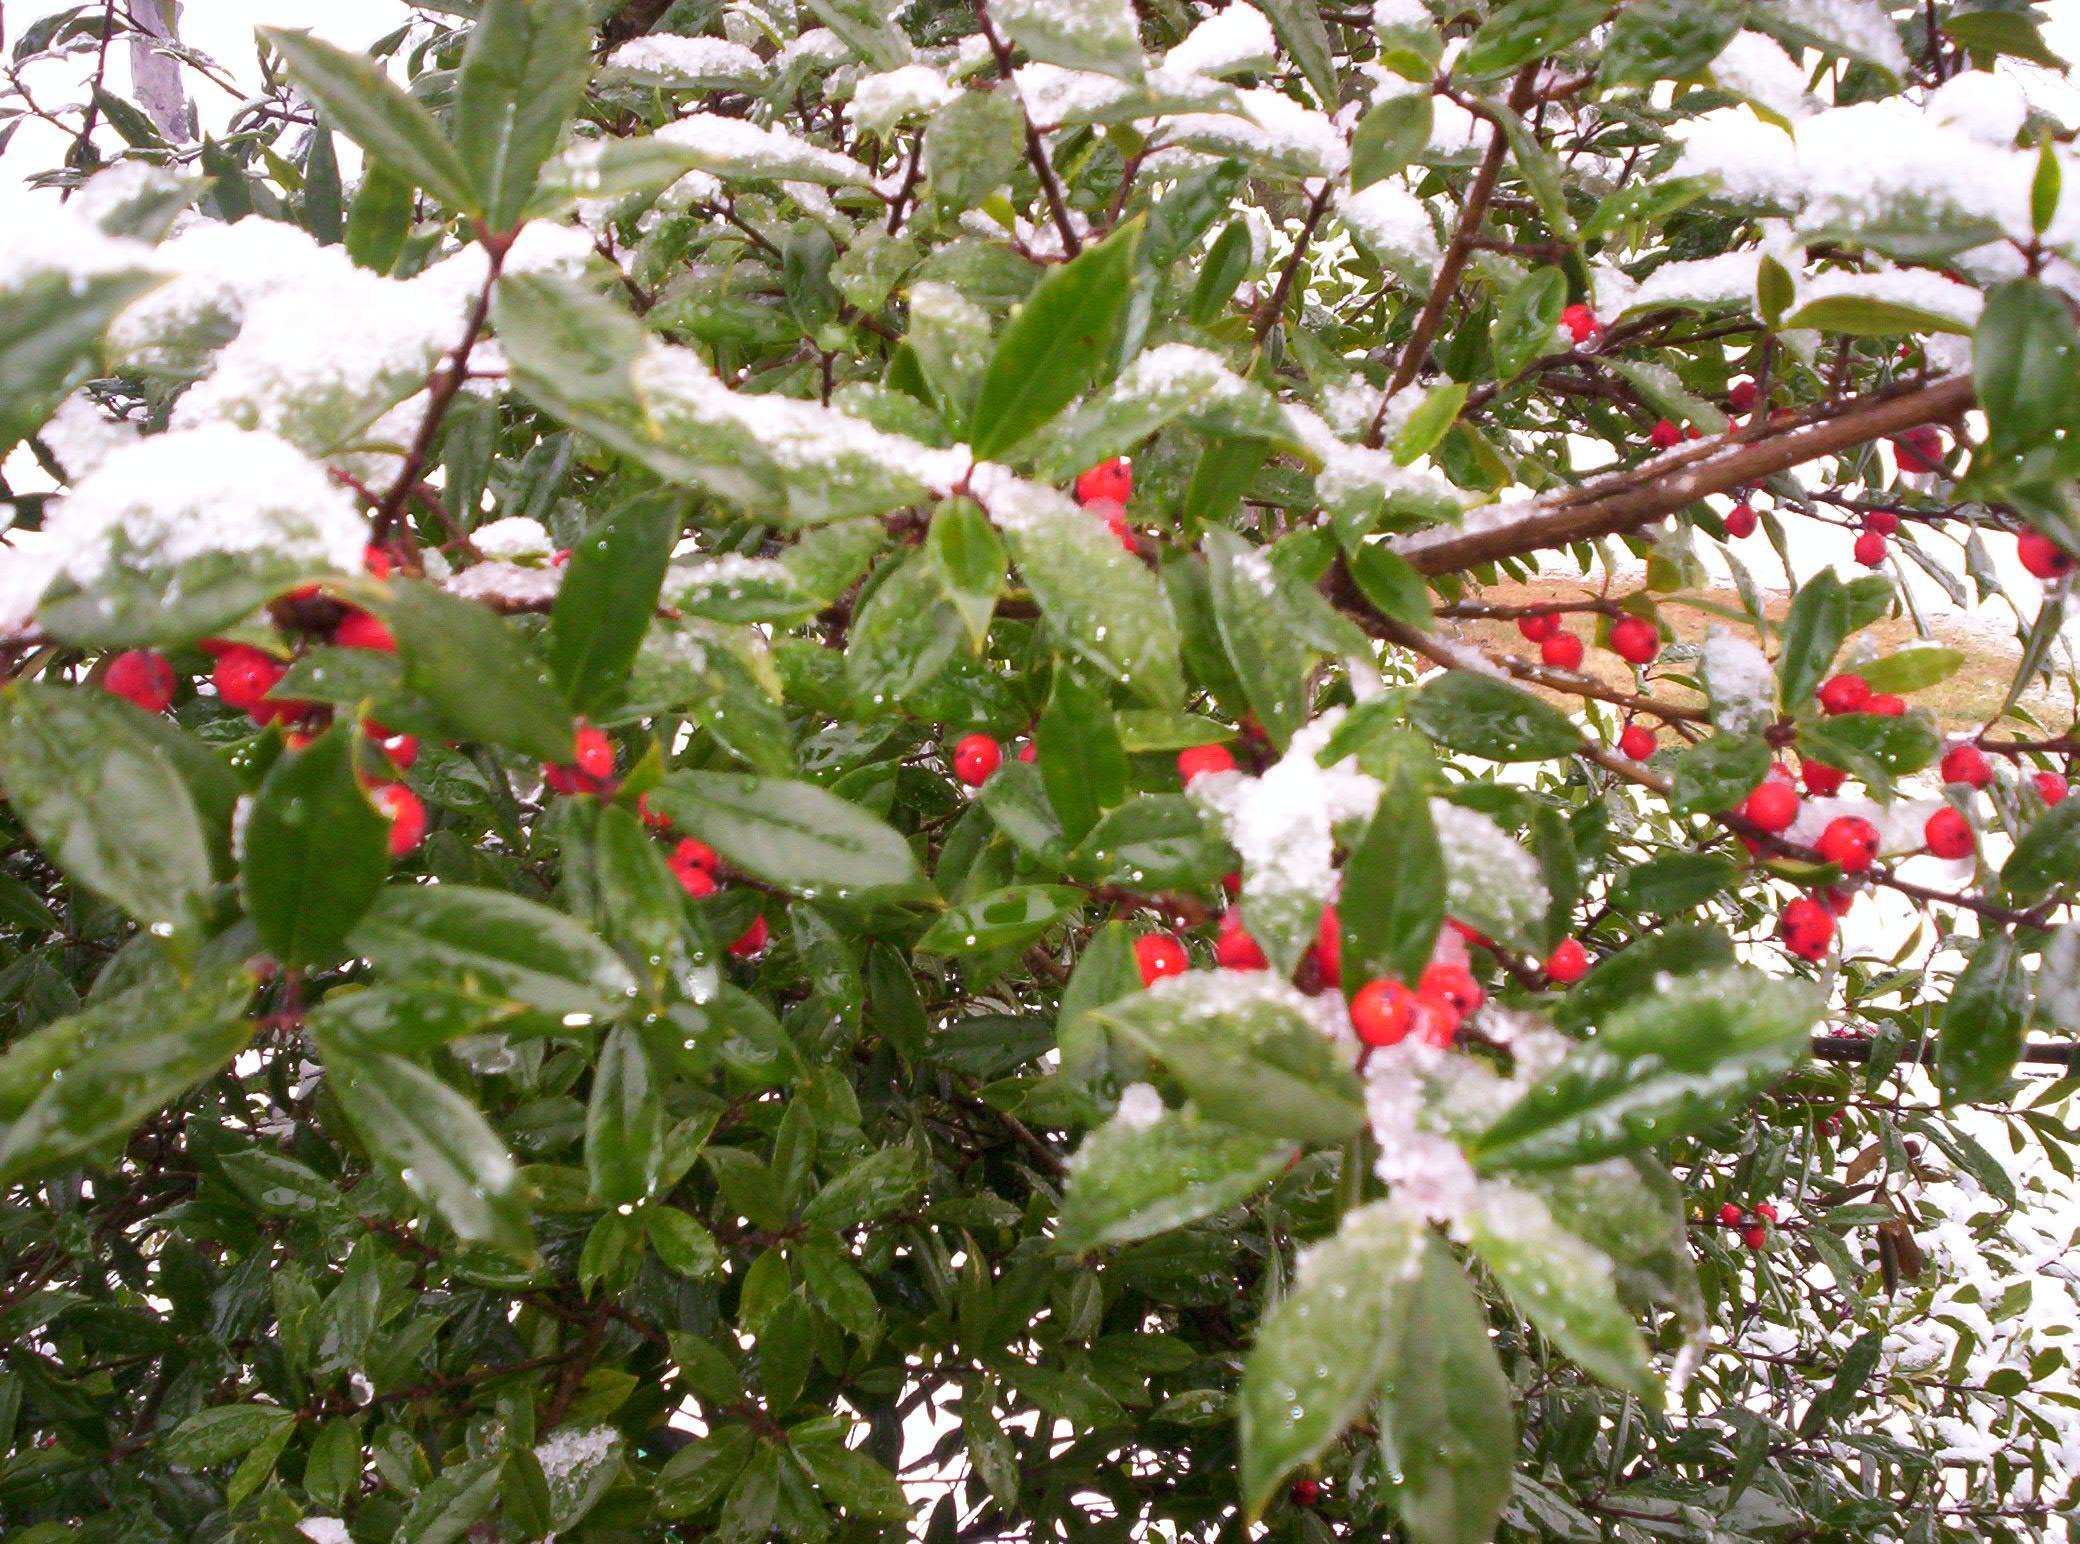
x: 1871, y: 545
x: 694, y: 864
x: 1752, y: 1225
x: 1104, y: 490
x: 1633, y: 639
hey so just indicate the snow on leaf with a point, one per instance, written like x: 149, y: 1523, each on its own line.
x: 880, y: 102
x: 1491, y: 883
x: 1740, y: 683
x: 687, y: 63
x: 736, y: 148
x: 1229, y: 42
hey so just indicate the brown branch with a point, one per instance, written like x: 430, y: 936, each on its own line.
x: 1036, y: 152
x: 1275, y: 307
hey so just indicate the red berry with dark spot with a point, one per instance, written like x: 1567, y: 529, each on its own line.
x: 1328, y: 946
x: 693, y: 879
x: 1159, y: 955
x: 1665, y: 435
x: 1807, y: 929
x: 1443, y: 981
x: 1967, y: 764
x: 593, y: 752
x: 1740, y: 520
x: 1112, y: 479
x: 1306, y: 1492
x: 141, y: 676
x: 407, y: 816
x: 1563, y: 651
x: 1383, y: 1012
x: 1198, y: 760
x: 1772, y: 806
x: 1870, y: 549
x: 1581, y: 323
x: 752, y: 941
x: 1844, y: 694
x: 1883, y: 521
x: 1849, y: 842
x: 1540, y: 627
x: 975, y: 757
x: 1233, y: 946
x: 244, y: 676
x: 2051, y: 788
x: 696, y: 853
x: 1740, y: 396
x: 1886, y: 705
x: 1637, y: 742
x: 2042, y: 556
x: 1948, y: 834
x: 1635, y: 639
x: 1568, y: 963
x: 359, y: 630
x: 1821, y: 780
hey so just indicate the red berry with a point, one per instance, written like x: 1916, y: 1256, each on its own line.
x: 1635, y: 639
x: 1948, y: 834
x: 1201, y: 759
x: 1730, y: 1215
x: 1383, y: 1012
x: 1233, y: 946
x: 407, y: 816
x: 1740, y: 396
x: 696, y: 854
x: 1821, y: 780
x: 1837, y: 900
x: 1967, y: 764
x: 1665, y: 435
x: 975, y: 757
x: 752, y: 941
x: 1232, y: 883
x: 1919, y: 450
x: 376, y: 561
x: 244, y: 676
x: 593, y: 752
x: 1029, y: 752
x: 1844, y: 694
x: 693, y: 879
x: 1581, y: 323
x: 359, y: 630
x: 1849, y: 842
x: 1807, y: 929
x: 2051, y: 788
x: 1443, y: 981
x: 402, y: 749
x: 1772, y: 806
x: 2042, y: 556
x: 1328, y: 946
x: 1160, y: 955
x: 1779, y: 773
x: 1306, y: 1492
x: 1637, y: 742
x: 141, y: 676
x: 1568, y: 963
x: 1883, y: 521
x: 1563, y: 651
x: 1886, y: 705
x: 1112, y: 479
x: 1870, y: 549
x: 1766, y: 1210
x: 1437, y: 1021
x: 657, y: 820
x: 1740, y: 520
x: 1538, y: 628
x: 1755, y: 1235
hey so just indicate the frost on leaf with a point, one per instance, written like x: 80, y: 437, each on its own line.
x: 1234, y: 41
x: 880, y: 102
x: 1491, y: 883
x: 1393, y: 225
x: 734, y: 148
x: 1739, y: 683
x: 686, y: 64
x: 1079, y: 34
x: 731, y: 588
x: 578, y: 1464
x: 513, y: 538
x: 1272, y: 132
x: 1163, y: 384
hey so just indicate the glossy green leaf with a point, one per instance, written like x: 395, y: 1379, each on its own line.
x: 971, y: 146
x: 494, y: 943
x: 682, y: 1243
x: 1082, y: 762
x: 1393, y: 899
x: 2046, y: 856
x: 1134, y: 1181
x: 1486, y: 717
x: 1523, y: 30
x: 905, y: 631
x: 1002, y: 919
x: 50, y: 332
x: 795, y: 835
x: 315, y: 852
x: 1716, y: 774
x: 1154, y: 842
x: 883, y: 1182
x: 1911, y: 669
x: 1226, y: 265
x: 1984, y: 1021
x: 1389, y: 136
x: 1266, y: 646
x: 477, y: 671
x: 523, y: 76
x: 624, y: 1121
x: 1525, y: 325
x: 1656, y: 40
x: 608, y: 596
x: 213, y: 1437
x: 2025, y: 364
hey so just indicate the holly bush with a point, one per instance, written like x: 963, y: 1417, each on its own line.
x: 764, y: 777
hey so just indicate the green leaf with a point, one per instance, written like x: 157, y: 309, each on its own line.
x: 624, y: 1121
x: 1154, y: 842
x: 1082, y: 762
x: 1911, y: 669
x: 90, y: 777
x: 440, y: 1145
x: 358, y: 99
x: 477, y: 671
x: 379, y: 218
x: 444, y: 1511
x: 1429, y: 423
x: 1389, y: 136
x: 1524, y: 326
x: 1874, y: 745
x: 1054, y: 343
x: 682, y: 1243
x: 1446, y: 1428
x: 608, y: 597
x: 116, y: 1070
x: 1002, y: 919
x: 1673, y: 882
x: 904, y: 632
x: 1523, y: 30
x: 884, y: 1181
x: 50, y: 331
x: 1872, y: 316
x: 1811, y: 637
x: 1322, y: 1351
x: 1716, y: 774
x: 495, y: 943
x: 523, y: 76
x: 2025, y: 364
x: 702, y: 1472
x: 972, y: 145
x: 2046, y: 855
x: 1656, y: 40
x: 1225, y: 267
x: 1983, y: 1023
x: 1246, y: 1053
x: 1563, y: 1285
x: 967, y: 558
x: 1304, y: 38
x: 795, y: 835
x: 1393, y: 897
x: 1079, y: 35
x: 2001, y: 32
x: 1659, y: 1067
x: 315, y: 851
x: 1482, y: 716
x: 1265, y: 642
x: 1133, y: 1181
x: 211, y: 1438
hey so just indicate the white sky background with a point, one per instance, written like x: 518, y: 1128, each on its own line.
x: 223, y: 29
